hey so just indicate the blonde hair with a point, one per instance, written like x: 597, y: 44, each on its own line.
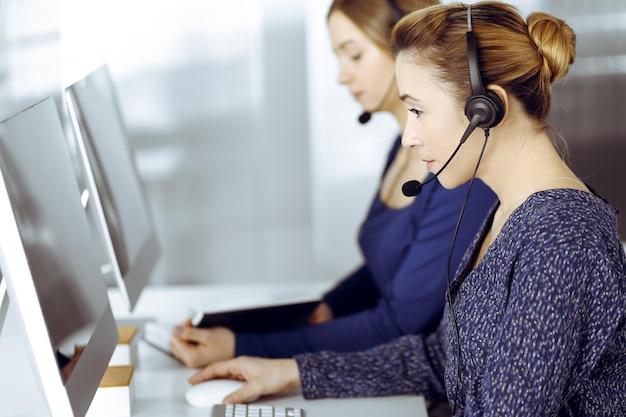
x: 523, y: 57
x: 376, y: 18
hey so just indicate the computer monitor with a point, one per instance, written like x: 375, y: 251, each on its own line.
x: 48, y: 260
x: 121, y: 214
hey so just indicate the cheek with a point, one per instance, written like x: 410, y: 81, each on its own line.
x: 379, y: 71
x: 448, y: 131
x: 437, y: 135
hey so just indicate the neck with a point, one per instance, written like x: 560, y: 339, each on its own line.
x: 522, y: 163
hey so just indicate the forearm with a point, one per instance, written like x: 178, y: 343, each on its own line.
x: 396, y: 368
x: 351, y: 333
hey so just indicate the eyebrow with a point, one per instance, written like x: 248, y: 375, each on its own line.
x: 345, y: 43
x: 405, y: 97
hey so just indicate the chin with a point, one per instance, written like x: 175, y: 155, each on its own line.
x: 452, y: 183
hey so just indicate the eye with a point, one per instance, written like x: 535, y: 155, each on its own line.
x: 355, y: 57
x: 416, y: 112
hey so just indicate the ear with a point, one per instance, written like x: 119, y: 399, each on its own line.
x: 504, y: 97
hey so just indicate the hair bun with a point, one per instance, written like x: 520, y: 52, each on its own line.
x: 555, y: 41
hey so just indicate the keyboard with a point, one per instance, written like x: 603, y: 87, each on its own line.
x: 255, y: 410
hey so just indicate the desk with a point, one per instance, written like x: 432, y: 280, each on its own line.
x: 160, y: 381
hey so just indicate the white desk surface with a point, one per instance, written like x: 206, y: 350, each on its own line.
x: 159, y: 380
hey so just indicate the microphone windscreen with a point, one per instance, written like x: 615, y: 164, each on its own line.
x: 365, y: 117
x: 411, y: 188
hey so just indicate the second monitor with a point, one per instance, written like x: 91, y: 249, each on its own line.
x: 121, y: 215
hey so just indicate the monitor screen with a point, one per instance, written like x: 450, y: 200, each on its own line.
x: 48, y: 260
x: 121, y: 215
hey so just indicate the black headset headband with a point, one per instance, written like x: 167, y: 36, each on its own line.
x: 397, y: 12
x: 485, y: 104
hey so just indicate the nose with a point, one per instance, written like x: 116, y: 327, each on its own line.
x: 345, y: 75
x: 410, y: 137
x: 410, y: 141
x: 343, y: 78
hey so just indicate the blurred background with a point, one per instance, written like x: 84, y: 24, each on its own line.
x: 254, y: 164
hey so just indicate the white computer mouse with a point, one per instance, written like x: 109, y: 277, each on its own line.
x: 209, y: 393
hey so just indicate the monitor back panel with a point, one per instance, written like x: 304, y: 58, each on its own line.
x: 125, y: 221
x: 48, y: 260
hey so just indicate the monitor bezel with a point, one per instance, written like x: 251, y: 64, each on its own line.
x: 73, y: 396
x: 131, y: 284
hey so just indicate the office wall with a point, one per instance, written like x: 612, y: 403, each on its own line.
x: 216, y: 109
x: 30, y: 48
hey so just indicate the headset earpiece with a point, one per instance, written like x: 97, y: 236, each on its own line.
x: 486, y: 104
x: 489, y: 107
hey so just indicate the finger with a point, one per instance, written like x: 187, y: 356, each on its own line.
x: 177, y: 344
x: 174, y: 348
x: 247, y: 393
x: 181, y: 351
x: 185, y: 353
x: 190, y: 334
x: 223, y: 369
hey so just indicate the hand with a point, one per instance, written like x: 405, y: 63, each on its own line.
x: 66, y: 370
x: 263, y: 376
x: 197, y: 347
x: 321, y: 314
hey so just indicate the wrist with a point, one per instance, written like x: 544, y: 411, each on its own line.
x: 292, y: 373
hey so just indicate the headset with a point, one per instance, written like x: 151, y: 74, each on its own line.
x: 486, y: 104
x: 483, y: 109
x: 397, y: 12
x: 487, y: 110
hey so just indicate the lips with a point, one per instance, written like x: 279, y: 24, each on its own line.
x: 429, y: 163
